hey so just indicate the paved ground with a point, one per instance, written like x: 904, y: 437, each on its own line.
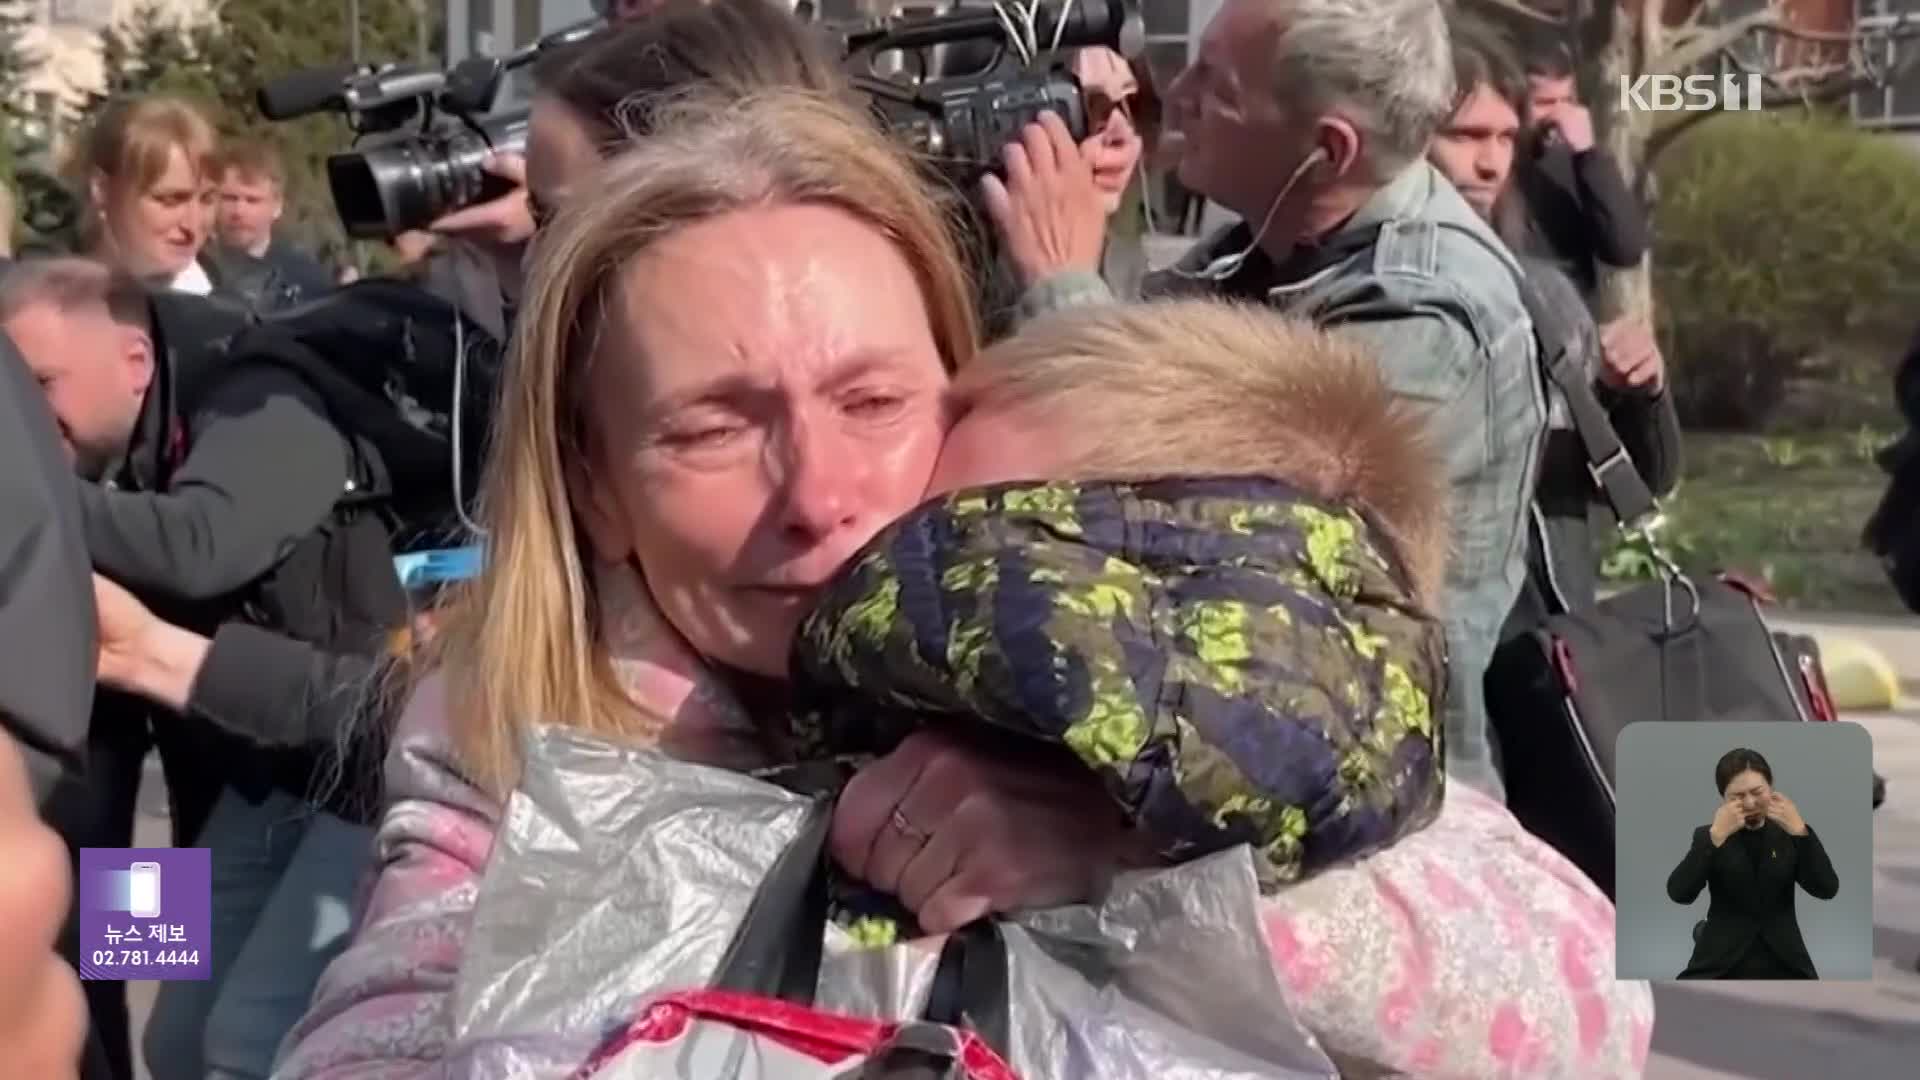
x: 1750, y: 1030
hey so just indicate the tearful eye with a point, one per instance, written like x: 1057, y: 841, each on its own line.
x: 702, y: 437
x: 874, y: 406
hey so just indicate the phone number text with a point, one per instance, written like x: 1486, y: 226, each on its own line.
x: 145, y: 957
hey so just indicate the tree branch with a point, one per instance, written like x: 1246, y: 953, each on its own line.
x: 1697, y: 17
x: 1694, y: 45
x: 1900, y: 28
x: 1776, y: 96
x: 1700, y: 45
x: 1521, y: 10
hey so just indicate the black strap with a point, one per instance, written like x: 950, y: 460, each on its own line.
x: 776, y: 952
x: 1612, y: 469
x: 970, y: 988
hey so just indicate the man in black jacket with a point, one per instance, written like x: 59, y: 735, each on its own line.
x: 1578, y: 210
x: 249, y: 263
x: 1749, y: 858
x: 214, y: 493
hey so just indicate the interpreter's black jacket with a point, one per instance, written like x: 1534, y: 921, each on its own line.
x: 1750, y: 881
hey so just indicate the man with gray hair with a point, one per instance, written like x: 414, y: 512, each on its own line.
x: 1310, y: 120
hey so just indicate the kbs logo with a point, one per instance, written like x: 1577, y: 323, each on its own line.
x: 1693, y: 93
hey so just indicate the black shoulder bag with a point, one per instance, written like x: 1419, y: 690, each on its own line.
x: 1676, y: 649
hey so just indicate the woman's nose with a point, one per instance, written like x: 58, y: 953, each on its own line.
x: 815, y: 482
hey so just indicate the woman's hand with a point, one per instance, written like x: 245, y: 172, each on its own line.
x: 1726, y: 821
x: 142, y: 654
x: 1781, y: 809
x: 43, y: 1017
x: 1048, y: 212
x: 956, y: 833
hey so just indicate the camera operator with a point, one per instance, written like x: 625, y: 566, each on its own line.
x: 1345, y: 222
x: 1111, y: 153
x: 582, y: 108
x: 585, y: 95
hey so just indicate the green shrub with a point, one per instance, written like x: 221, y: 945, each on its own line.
x: 1775, y: 236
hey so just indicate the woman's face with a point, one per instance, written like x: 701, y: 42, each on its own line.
x: 158, y: 230
x: 765, y: 396
x: 1749, y: 791
x: 1113, y: 145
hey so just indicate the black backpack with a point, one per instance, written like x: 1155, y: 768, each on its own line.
x: 388, y: 359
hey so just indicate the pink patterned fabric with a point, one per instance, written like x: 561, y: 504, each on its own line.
x: 1470, y: 949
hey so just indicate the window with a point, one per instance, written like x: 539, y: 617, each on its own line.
x: 1896, y: 103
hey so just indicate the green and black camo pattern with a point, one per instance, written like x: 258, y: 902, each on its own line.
x: 1236, y: 661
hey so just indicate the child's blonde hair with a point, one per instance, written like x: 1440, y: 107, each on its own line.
x: 1207, y: 388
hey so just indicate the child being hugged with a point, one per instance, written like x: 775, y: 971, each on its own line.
x: 1190, y: 546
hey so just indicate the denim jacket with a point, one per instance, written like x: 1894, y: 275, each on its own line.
x: 1435, y: 297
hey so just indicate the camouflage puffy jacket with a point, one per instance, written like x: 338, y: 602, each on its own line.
x: 1237, y: 662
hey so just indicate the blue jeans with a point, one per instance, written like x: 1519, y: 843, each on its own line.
x: 283, y: 881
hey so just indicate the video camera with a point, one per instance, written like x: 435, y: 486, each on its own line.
x: 967, y: 78
x: 954, y: 82
x: 427, y: 133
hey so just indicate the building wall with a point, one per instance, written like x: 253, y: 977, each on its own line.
x: 63, y: 40
x: 496, y: 27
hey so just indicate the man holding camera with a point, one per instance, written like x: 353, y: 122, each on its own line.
x: 1344, y: 222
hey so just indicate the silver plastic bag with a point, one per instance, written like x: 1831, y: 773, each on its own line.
x: 620, y: 874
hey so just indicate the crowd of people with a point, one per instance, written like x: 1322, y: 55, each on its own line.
x: 1252, y: 525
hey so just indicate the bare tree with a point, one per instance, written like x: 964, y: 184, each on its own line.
x: 1618, y: 42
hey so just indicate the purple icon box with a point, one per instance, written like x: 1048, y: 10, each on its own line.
x: 145, y: 913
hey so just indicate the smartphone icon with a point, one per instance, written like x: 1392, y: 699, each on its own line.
x: 144, y: 890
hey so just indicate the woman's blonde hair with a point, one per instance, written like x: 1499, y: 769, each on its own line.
x: 133, y: 138
x: 521, y: 644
